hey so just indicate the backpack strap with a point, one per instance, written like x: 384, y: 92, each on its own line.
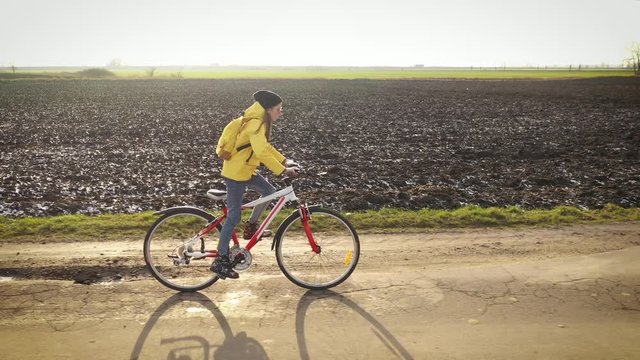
x: 247, y: 145
x: 242, y: 147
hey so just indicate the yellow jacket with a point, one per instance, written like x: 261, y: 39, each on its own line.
x: 254, y: 132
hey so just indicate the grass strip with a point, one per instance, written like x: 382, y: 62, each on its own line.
x: 134, y: 226
x: 474, y: 216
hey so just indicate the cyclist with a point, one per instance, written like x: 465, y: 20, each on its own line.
x: 239, y: 170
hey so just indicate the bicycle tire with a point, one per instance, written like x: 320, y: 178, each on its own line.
x: 338, y: 257
x: 166, y: 235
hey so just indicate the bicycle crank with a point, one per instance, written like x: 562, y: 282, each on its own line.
x: 240, y: 258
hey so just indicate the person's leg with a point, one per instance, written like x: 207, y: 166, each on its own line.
x: 262, y: 186
x: 235, y: 193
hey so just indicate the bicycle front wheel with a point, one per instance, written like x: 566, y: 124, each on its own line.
x: 168, y: 241
x: 338, y: 249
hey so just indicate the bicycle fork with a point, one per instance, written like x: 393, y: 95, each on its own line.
x: 304, y: 217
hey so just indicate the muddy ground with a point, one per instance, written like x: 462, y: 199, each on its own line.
x: 130, y: 145
x: 530, y: 293
x: 98, y: 262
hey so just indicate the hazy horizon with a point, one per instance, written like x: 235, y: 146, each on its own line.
x: 357, y: 33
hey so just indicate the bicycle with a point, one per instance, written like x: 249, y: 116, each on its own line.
x: 315, y: 248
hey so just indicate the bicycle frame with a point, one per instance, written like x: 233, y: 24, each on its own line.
x: 285, y: 195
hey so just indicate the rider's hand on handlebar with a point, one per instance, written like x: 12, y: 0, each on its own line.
x: 291, y: 171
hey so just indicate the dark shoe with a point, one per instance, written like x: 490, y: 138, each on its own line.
x: 222, y: 266
x: 251, y: 228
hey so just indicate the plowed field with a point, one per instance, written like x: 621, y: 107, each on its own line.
x: 93, y: 146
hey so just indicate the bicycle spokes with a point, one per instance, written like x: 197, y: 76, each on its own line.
x: 174, y: 251
x: 319, y: 252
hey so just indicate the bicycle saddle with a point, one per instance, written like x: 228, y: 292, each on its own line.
x: 217, y: 194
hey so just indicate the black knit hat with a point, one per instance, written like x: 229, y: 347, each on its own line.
x: 267, y: 98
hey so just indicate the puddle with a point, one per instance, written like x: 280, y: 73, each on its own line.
x: 6, y: 278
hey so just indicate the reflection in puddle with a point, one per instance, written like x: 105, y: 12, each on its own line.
x: 6, y: 278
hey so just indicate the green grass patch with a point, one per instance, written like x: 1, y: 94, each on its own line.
x: 76, y: 227
x: 134, y: 226
x: 473, y: 216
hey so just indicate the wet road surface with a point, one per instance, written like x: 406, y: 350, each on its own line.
x: 571, y: 307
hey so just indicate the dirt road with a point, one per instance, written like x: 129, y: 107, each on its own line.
x: 555, y: 293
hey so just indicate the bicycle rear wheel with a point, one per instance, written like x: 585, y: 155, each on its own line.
x: 339, y: 249
x: 169, y: 238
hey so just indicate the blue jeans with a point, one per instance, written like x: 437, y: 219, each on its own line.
x: 235, y: 193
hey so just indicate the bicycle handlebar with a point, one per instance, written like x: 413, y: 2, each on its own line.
x: 289, y: 179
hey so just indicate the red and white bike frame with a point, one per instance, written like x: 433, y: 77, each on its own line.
x: 283, y: 196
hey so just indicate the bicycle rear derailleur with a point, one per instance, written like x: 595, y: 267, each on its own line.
x: 180, y: 258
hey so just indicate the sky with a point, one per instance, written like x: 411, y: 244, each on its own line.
x: 317, y: 33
